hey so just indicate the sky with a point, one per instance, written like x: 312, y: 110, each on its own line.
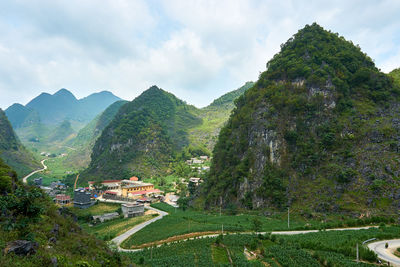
x: 197, y: 50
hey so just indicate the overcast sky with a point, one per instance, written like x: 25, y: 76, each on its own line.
x: 197, y: 50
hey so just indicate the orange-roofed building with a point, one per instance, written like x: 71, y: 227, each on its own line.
x: 134, y: 178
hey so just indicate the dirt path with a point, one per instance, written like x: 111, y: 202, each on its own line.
x: 76, y: 181
x: 25, y: 179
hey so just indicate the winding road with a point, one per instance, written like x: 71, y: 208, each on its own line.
x: 121, y: 238
x: 386, y: 254
x: 25, y: 179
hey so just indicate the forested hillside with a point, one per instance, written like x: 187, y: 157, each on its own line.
x: 319, y: 131
x: 143, y: 138
x: 84, y: 141
x: 395, y: 74
x: 34, y: 232
x: 155, y: 131
x: 214, y: 116
x: 12, y: 151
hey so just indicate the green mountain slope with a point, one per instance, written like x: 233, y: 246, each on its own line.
x: 214, y: 116
x: 395, y: 74
x: 143, y: 137
x: 21, y: 116
x: 29, y: 214
x: 320, y: 130
x: 61, y: 133
x: 49, y: 122
x: 11, y: 150
x: 84, y: 141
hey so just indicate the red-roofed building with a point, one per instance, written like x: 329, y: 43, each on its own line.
x: 62, y: 199
x: 134, y: 178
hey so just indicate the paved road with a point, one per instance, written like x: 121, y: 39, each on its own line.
x: 314, y: 231
x: 121, y: 238
x: 25, y: 179
x: 386, y: 254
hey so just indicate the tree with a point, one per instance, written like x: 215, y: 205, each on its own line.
x: 183, y: 203
x: 257, y: 224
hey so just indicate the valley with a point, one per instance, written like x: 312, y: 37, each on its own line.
x: 300, y: 168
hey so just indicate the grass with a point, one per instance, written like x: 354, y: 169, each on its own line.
x: 110, y: 229
x: 219, y: 255
x: 164, y: 183
x: 46, y: 179
x: 97, y: 209
x: 57, y: 168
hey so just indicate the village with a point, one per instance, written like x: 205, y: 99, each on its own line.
x: 131, y: 195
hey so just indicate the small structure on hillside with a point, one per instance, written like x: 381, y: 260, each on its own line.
x: 132, y: 210
x: 62, y: 199
x: 82, y: 199
x: 38, y: 181
x: 106, y: 216
x: 195, y: 180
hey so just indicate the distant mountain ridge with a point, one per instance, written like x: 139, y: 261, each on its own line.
x: 62, y: 105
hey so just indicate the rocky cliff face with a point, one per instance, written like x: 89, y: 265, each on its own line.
x: 319, y: 130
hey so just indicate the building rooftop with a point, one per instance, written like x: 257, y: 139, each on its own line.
x: 130, y: 205
x: 63, y: 197
x: 143, y: 192
x: 134, y: 178
x: 110, y: 192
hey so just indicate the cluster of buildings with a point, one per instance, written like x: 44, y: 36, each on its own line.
x: 197, y: 164
x: 131, y: 189
x: 55, y: 190
x: 199, y: 160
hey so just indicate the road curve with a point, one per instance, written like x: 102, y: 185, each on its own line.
x: 386, y: 254
x: 25, y: 179
x: 121, y: 238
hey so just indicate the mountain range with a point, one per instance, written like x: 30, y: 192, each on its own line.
x: 319, y: 131
x: 54, y: 109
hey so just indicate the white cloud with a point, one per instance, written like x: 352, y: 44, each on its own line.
x: 195, y: 49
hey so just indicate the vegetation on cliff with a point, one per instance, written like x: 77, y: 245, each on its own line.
x: 143, y: 138
x: 12, y: 151
x: 319, y: 130
x: 50, y: 234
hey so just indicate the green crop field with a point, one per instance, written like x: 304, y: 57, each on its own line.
x: 180, y: 222
x: 110, y: 229
x: 323, y: 248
